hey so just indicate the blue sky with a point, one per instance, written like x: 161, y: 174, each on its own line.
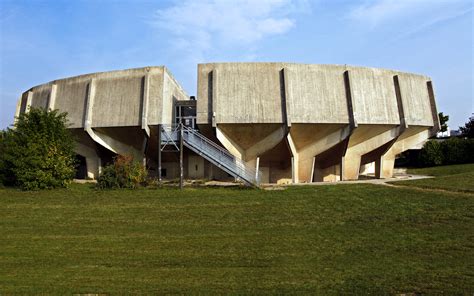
x: 46, y: 40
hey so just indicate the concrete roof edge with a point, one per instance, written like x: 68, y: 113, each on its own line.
x: 165, y: 69
x: 95, y: 75
x: 347, y: 66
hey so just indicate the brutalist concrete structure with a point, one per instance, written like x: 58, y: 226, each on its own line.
x: 288, y: 122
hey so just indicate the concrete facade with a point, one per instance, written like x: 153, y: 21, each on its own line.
x: 112, y: 112
x: 292, y: 122
x: 330, y: 119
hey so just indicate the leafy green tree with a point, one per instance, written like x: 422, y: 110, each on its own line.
x: 443, y: 121
x: 38, y: 152
x: 468, y: 129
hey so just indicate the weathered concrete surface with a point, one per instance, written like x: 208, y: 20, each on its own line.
x: 116, y: 109
x: 373, y: 96
x: 408, y: 139
x: 87, y: 148
x: 315, y: 94
x: 249, y: 143
x: 321, y: 107
x: 296, y: 93
x: 118, y: 98
x: 309, y: 140
x: 292, y: 121
x: 365, y: 139
x: 415, y: 100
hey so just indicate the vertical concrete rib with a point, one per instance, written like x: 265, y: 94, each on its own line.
x: 286, y: 118
x: 350, y: 100
x: 88, y: 112
x: 18, y: 110
x: 214, y: 97
x: 401, y: 108
x: 379, y: 165
x: 434, y: 109
x: 145, y: 99
x: 162, y: 102
x: 29, y: 101
x: 210, y: 98
x: 90, y: 94
x: 352, y: 120
x: 52, y: 96
x: 285, y: 97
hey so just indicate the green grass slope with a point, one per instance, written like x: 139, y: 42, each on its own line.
x: 344, y: 239
x: 452, y: 178
x: 446, y: 170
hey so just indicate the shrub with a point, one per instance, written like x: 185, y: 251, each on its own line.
x: 454, y: 151
x: 123, y: 173
x: 458, y: 150
x: 38, y: 153
x: 451, y: 151
x: 431, y: 154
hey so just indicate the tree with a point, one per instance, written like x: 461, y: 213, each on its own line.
x: 443, y: 121
x: 38, y: 152
x: 468, y: 129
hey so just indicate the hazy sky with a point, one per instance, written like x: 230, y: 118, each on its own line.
x: 46, y: 40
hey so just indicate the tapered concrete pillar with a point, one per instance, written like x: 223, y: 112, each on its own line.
x: 123, y: 141
x: 410, y: 138
x: 306, y: 141
x: 351, y: 167
x: 365, y: 140
x: 93, y: 167
x: 246, y: 142
x: 93, y: 162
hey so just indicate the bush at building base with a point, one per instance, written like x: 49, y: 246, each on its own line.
x: 123, y: 173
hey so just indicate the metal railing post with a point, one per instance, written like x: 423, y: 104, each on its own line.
x: 181, y: 176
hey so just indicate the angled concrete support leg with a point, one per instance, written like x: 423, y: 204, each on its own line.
x: 351, y: 167
x: 102, y: 138
x: 93, y: 162
x: 365, y: 140
x: 93, y: 167
x: 258, y: 146
x: 410, y: 138
x: 306, y: 142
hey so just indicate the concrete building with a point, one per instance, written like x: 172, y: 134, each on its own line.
x: 259, y: 122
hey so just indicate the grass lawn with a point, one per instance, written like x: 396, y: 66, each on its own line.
x: 444, y: 170
x: 452, y: 178
x: 344, y: 239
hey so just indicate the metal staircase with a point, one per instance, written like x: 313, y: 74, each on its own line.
x: 212, y: 152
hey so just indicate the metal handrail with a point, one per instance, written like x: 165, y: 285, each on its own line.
x: 225, y: 151
x: 222, y: 150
